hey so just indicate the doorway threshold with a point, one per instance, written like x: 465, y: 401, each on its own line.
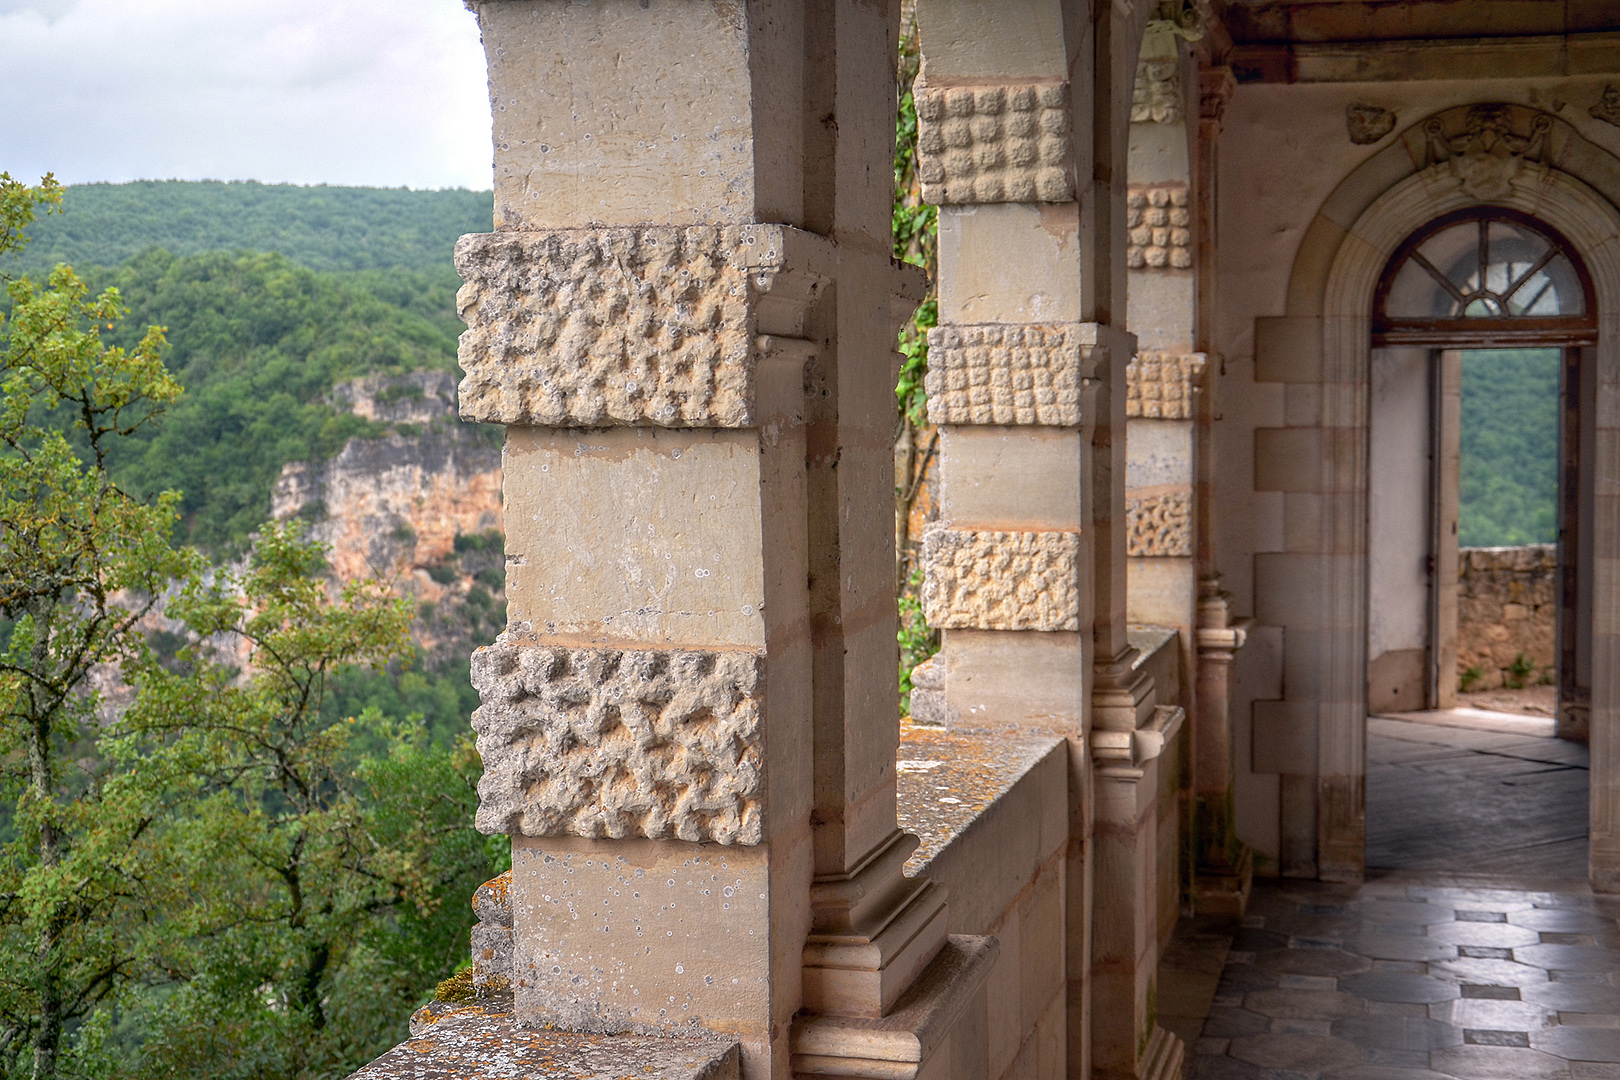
x: 1480, y: 720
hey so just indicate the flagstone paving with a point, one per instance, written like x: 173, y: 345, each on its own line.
x: 1395, y: 980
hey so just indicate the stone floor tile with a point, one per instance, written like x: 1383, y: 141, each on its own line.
x: 1585, y: 997
x: 1580, y: 1019
x: 1407, y: 967
x: 1331, y: 927
x: 1242, y: 978
x: 1381, y: 945
x: 1298, y: 1053
x: 1569, y: 958
x: 1400, y: 1059
x: 1227, y: 1023
x: 1594, y: 1070
x: 1487, y: 972
x: 1332, y: 963
x: 1496, y: 1015
x: 1257, y: 941
x: 1397, y: 1033
x: 1383, y: 1072
x: 1579, y: 1043
x: 1461, y: 898
x: 1396, y: 986
x: 1498, y: 1063
x: 1307, y: 982
x: 1484, y: 952
x: 1222, y: 1067
x: 1296, y: 1026
x: 1493, y: 1037
x: 1563, y: 920
x: 1305, y: 1004
x: 1397, y: 1008
x: 1481, y: 916
x: 1501, y: 935
x: 1411, y: 912
x: 1206, y: 1045
x: 1487, y: 992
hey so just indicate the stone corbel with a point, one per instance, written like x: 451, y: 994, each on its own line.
x: 1123, y: 754
x: 630, y: 326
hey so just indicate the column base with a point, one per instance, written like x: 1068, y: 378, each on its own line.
x: 1165, y: 1059
x: 936, y: 1031
x: 1224, y: 888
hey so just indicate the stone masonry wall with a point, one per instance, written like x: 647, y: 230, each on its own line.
x: 1507, y: 604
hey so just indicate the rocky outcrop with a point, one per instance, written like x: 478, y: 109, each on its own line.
x: 419, y: 505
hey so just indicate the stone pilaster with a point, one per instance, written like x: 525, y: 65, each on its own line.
x: 684, y: 319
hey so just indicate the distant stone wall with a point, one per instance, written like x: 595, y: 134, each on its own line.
x: 1507, y: 604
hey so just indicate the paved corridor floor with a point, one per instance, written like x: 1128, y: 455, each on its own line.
x: 1400, y: 981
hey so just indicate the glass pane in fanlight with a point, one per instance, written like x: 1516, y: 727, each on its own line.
x: 1414, y: 294
x: 1455, y: 253
x: 1553, y: 290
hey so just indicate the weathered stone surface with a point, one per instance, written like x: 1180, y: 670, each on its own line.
x: 994, y: 373
x: 1160, y: 225
x: 991, y: 144
x: 1160, y: 385
x: 492, y: 936
x: 1002, y: 580
x: 1159, y: 526
x: 1507, y: 607
x: 485, y: 1042
x: 650, y: 325
x: 1156, y: 95
x: 617, y: 743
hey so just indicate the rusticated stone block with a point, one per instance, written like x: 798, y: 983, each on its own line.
x: 600, y: 742
x: 492, y: 936
x: 1156, y: 96
x: 991, y: 144
x: 1160, y: 385
x: 1160, y: 227
x: 1159, y: 526
x: 1002, y: 580
x: 615, y: 326
x: 993, y: 373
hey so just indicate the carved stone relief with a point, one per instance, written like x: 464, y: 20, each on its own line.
x: 993, y: 373
x: 1157, y: 526
x: 1367, y: 123
x: 1160, y: 385
x: 617, y: 326
x: 991, y: 144
x: 1489, y: 152
x: 617, y: 743
x: 1156, y: 96
x: 1001, y: 580
x: 1160, y: 224
x: 1608, y: 107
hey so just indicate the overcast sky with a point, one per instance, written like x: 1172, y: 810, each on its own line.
x: 386, y: 93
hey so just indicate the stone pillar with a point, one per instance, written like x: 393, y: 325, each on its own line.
x: 685, y: 320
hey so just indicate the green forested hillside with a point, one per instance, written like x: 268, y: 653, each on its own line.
x: 1509, y: 489
x: 323, y: 228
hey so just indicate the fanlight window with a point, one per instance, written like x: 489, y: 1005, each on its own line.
x: 1487, y: 271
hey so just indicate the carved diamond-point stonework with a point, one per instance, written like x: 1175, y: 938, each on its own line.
x: 1159, y: 526
x: 645, y: 326
x: 996, y: 373
x: 1156, y: 97
x: 1160, y: 227
x: 601, y: 742
x: 1160, y: 385
x: 1001, y: 580
x: 993, y: 144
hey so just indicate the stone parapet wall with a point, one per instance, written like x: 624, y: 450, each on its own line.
x: 1507, y: 606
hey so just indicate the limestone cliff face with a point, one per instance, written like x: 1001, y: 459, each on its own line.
x: 394, y: 506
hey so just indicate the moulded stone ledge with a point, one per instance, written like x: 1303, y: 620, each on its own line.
x: 1009, y: 142
x: 615, y: 743
x: 636, y: 326
x: 986, y: 580
x: 485, y: 1042
x: 1001, y: 373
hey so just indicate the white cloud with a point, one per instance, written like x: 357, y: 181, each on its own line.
x: 378, y: 92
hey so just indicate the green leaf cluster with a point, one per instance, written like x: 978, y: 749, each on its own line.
x: 1509, y: 446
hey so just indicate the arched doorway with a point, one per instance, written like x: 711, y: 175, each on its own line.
x: 1475, y: 411
x: 1480, y: 278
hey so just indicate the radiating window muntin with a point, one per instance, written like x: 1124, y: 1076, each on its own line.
x: 1480, y: 268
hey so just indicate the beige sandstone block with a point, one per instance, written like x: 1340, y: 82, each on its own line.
x: 1008, y: 374
x: 1160, y: 385
x: 995, y: 143
x: 1024, y: 40
x: 619, y: 743
x: 1161, y: 592
x: 651, y: 325
x: 1009, y: 263
x: 1287, y: 349
x: 1002, y: 580
x: 999, y: 474
x: 1159, y: 525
